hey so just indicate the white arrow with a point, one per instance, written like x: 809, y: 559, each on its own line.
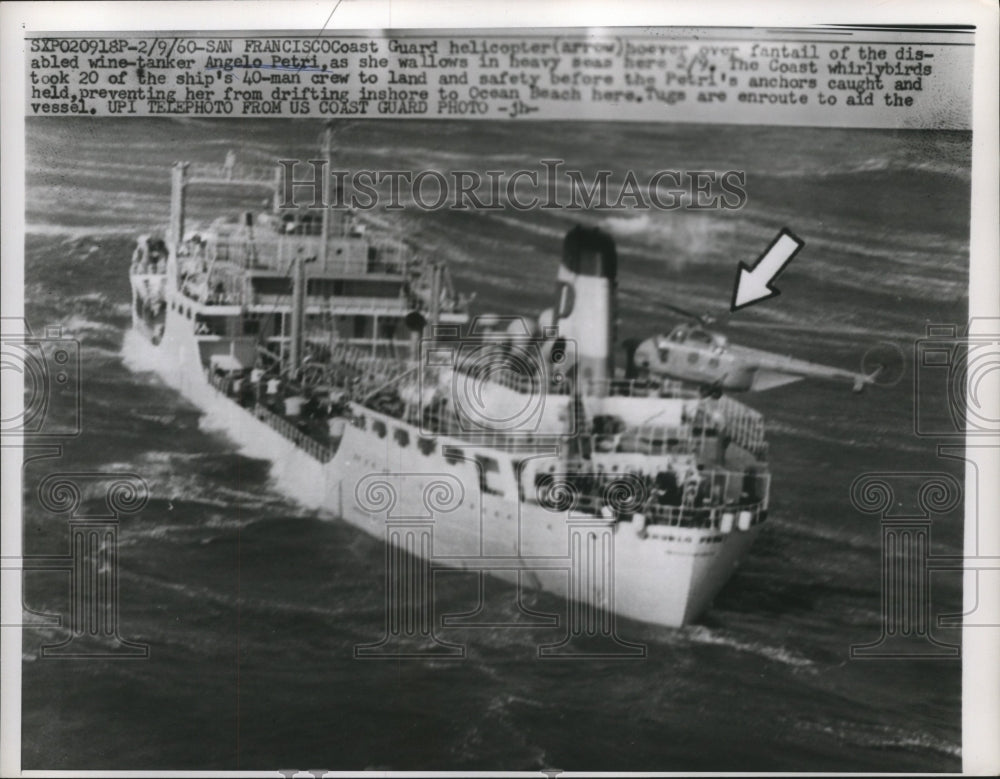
x: 753, y: 284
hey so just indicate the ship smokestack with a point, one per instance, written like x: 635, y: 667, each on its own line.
x: 585, y: 311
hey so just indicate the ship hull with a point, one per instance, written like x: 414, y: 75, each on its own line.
x: 659, y: 575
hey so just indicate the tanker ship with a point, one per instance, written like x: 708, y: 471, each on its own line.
x: 507, y: 446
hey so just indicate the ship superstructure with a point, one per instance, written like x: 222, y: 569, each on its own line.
x: 351, y: 362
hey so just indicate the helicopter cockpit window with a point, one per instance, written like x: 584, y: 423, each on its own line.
x: 700, y: 336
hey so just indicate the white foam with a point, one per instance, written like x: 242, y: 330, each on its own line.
x: 702, y: 635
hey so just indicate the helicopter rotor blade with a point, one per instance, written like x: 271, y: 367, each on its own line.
x: 702, y: 319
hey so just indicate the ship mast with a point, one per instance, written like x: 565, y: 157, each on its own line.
x: 298, y: 267
x: 298, y: 314
x: 578, y: 447
x: 324, y: 194
x: 437, y: 270
x: 178, y: 182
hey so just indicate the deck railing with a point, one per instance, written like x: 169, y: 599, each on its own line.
x: 718, y: 518
x: 235, y: 174
x: 311, y: 446
x: 337, y: 304
x: 533, y: 377
x: 744, y: 425
x: 276, y: 252
x: 374, y: 381
x: 723, y: 517
x: 224, y: 385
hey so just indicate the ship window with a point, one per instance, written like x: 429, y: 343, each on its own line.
x: 425, y: 445
x: 211, y: 325
x: 402, y: 437
x: 379, y: 427
x: 607, y: 424
x: 387, y: 327
x: 363, y: 288
x: 265, y: 285
x: 489, y: 475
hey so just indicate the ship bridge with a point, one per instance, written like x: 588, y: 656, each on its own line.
x: 239, y: 276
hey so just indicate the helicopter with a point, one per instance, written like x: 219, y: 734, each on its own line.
x: 693, y: 353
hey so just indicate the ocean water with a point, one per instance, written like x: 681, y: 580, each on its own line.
x: 251, y: 606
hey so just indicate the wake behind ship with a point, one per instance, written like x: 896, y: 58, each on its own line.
x: 507, y: 446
